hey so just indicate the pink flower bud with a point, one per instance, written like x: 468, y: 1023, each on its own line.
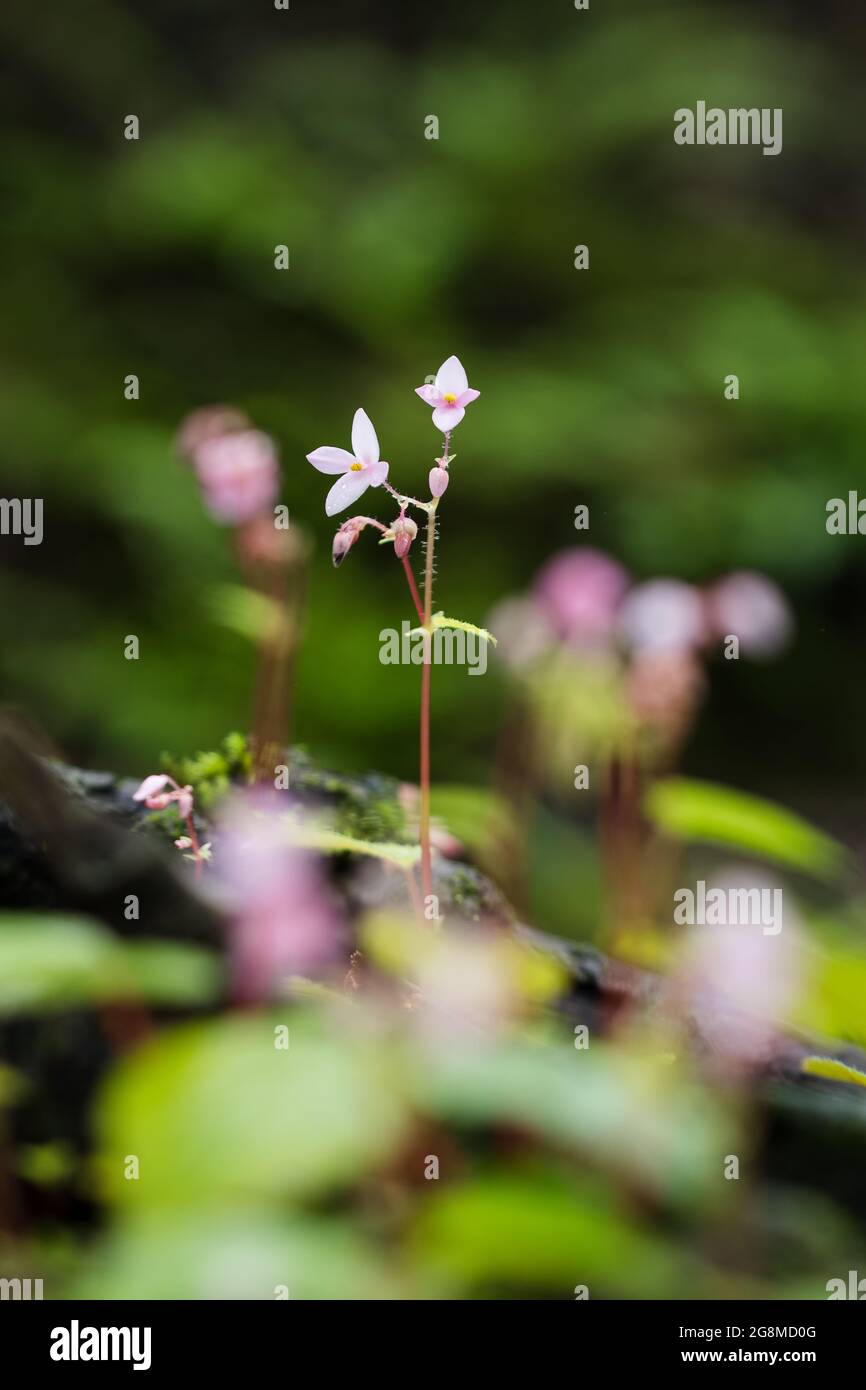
x: 405, y: 531
x: 438, y: 481
x: 345, y: 539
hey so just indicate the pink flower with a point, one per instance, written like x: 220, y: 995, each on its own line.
x: 663, y: 615
x: 580, y: 591
x: 449, y: 395
x: 155, y: 797
x: 284, y: 920
x: 239, y: 475
x: 206, y: 423
x: 740, y: 983
x: 523, y: 631
x: 754, y: 609
x: 360, y: 469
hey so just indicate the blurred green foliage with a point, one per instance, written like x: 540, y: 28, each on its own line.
x: 306, y: 128
x: 602, y: 387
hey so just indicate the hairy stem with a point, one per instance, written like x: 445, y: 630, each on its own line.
x: 426, y: 672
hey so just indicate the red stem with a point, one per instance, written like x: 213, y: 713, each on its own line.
x: 195, y: 845
x: 413, y: 588
x: 426, y: 860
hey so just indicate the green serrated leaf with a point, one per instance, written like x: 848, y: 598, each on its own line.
x: 831, y: 1070
x: 440, y: 620
x: 332, y: 842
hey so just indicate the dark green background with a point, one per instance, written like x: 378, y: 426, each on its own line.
x: 261, y: 127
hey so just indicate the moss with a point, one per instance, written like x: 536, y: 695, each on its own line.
x: 365, y: 808
x: 210, y: 775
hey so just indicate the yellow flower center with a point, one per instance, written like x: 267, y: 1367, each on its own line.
x: 356, y: 467
x: 450, y: 400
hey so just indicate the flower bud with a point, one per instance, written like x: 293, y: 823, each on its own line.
x: 405, y: 531
x: 438, y: 480
x: 345, y: 538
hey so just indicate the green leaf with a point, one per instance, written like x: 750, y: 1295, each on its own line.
x: 218, y: 1113
x: 332, y: 842
x: 250, y: 614
x: 711, y: 814
x: 832, y: 1070
x: 480, y: 818
x: 516, y: 1233
x: 233, y: 1255
x: 61, y: 962
x: 440, y: 620
x: 631, y: 1113
x: 832, y: 1004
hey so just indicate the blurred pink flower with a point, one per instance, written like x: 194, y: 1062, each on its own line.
x: 580, y: 591
x: 209, y: 422
x: 523, y: 631
x: 663, y: 615
x: 449, y: 395
x: 739, y: 984
x: 360, y: 469
x: 284, y: 920
x: 466, y: 989
x: 239, y: 475
x: 751, y: 607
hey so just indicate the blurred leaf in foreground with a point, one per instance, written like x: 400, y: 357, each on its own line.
x: 60, y: 962
x: 242, y: 1108
x: 234, y: 1256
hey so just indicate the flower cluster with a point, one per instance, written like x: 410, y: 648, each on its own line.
x: 363, y: 466
x: 621, y: 655
x: 582, y: 598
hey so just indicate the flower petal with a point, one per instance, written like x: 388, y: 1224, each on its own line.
x: 428, y: 393
x: 331, y: 460
x: 468, y: 396
x: 150, y: 786
x: 376, y: 473
x: 364, y: 441
x: 451, y: 378
x: 448, y: 417
x: 346, y: 490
